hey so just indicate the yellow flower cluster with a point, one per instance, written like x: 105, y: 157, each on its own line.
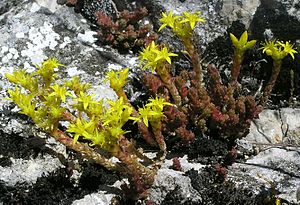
x: 153, y: 111
x: 278, y: 49
x: 106, y: 130
x: 39, y: 87
x: 155, y: 56
x: 117, y: 79
x: 182, y: 25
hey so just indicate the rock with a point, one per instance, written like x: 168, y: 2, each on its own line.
x: 168, y: 181
x: 275, y: 135
x: 267, y: 129
x: 32, y: 31
x: 275, y: 127
x: 94, y: 199
x: 277, y: 169
x: 6, y: 5
x: 28, y: 170
x: 239, y: 11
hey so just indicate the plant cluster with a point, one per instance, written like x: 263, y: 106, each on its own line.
x: 179, y: 105
x: 123, y: 30
x: 126, y: 32
x: 212, y: 107
x: 48, y: 103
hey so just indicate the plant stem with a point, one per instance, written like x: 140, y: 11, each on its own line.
x: 160, y: 139
x: 235, y: 68
x: 85, y: 150
x: 193, y: 53
x: 141, y: 176
x: 148, y: 137
x: 166, y: 78
x: 271, y: 83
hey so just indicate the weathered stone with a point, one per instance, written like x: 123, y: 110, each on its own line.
x: 32, y: 31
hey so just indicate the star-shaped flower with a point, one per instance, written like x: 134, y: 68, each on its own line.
x: 192, y: 18
x: 167, y: 20
x: 164, y: 54
x: 288, y: 48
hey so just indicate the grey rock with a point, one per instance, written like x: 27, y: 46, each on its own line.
x: 6, y: 5
x: 168, y: 181
x: 36, y: 30
x: 243, y: 11
x: 31, y: 33
x: 95, y: 199
x: 28, y: 170
x: 275, y: 127
x: 275, y: 137
x: 274, y: 168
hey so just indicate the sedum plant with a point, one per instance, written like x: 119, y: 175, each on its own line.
x: 277, y: 50
x: 48, y: 103
x: 212, y: 107
x: 181, y: 105
x: 125, y: 32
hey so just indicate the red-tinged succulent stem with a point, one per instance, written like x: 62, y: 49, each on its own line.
x: 269, y: 87
x: 166, y: 78
x: 67, y: 116
x: 85, y: 150
x: 140, y: 176
x: 148, y: 137
x: 235, y: 69
x: 160, y: 140
x: 195, y: 59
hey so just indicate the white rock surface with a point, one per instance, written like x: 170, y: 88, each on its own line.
x: 276, y: 135
x: 168, y: 180
x: 28, y: 170
x: 95, y: 199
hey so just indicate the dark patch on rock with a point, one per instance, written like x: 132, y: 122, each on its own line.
x: 5, y: 162
x: 154, y: 9
x: 58, y: 188
x: 203, y: 149
x: 14, y: 146
x: 6, y: 5
x: 215, y: 193
x: 94, y: 175
x: 174, y: 198
x: 273, y: 15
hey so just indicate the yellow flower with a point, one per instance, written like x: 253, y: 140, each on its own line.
x: 145, y: 113
x: 60, y: 92
x: 164, y: 54
x: 167, y: 20
x: 56, y: 112
x: 158, y: 103
x: 75, y: 85
x: 155, y: 57
x: 84, y: 100
x: 82, y: 128
x: 148, y: 53
x: 52, y: 63
x: 278, y: 49
x: 192, y: 19
x: 288, y: 48
x: 153, y: 111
